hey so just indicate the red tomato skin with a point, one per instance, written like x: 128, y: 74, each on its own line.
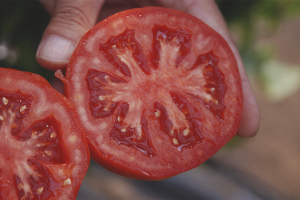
x: 25, y: 83
x: 233, y: 110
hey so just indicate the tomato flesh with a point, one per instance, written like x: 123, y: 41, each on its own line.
x: 120, y: 43
x: 215, y: 86
x: 128, y: 136
x: 157, y: 91
x: 35, y: 157
x: 41, y: 143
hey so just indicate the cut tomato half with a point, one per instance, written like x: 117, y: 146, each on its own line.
x: 157, y: 91
x: 43, y: 150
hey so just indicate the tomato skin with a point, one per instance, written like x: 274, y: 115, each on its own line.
x: 216, y: 120
x: 50, y: 142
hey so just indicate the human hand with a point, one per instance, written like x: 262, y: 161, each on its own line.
x: 71, y: 19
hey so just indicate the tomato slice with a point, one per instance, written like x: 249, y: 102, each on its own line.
x: 43, y: 150
x: 157, y: 91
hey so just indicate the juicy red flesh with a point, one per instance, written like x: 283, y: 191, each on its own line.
x: 47, y: 143
x: 95, y: 81
x: 17, y: 180
x: 122, y: 42
x: 46, y: 181
x: 15, y: 101
x: 46, y: 140
x: 194, y: 117
x: 215, y: 86
x: 180, y: 36
x: 129, y: 137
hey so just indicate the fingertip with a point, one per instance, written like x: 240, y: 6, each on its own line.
x: 54, y: 52
x: 250, y: 124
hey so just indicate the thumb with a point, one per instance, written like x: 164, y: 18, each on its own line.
x: 70, y: 20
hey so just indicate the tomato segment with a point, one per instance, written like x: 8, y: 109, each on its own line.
x: 43, y: 154
x: 42, y: 185
x: 215, y: 86
x: 129, y: 136
x: 41, y: 143
x: 157, y: 90
x: 118, y: 45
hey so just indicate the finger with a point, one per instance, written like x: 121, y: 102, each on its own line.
x: 207, y: 11
x: 70, y: 20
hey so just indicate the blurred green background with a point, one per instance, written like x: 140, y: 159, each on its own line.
x: 267, y: 33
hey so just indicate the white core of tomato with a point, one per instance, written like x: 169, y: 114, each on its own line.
x: 142, y: 90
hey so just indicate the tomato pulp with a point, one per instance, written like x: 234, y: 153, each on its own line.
x: 157, y: 91
x: 43, y: 151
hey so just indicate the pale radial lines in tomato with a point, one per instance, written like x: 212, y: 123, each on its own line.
x: 13, y: 110
x: 141, y: 88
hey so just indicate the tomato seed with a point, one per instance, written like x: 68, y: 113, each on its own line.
x: 48, y: 153
x: 101, y: 97
x: 186, y: 132
x: 67, y: 182
x: 175, y: 141
x: 157, y: 114
x: 22, y: 108
x: 40, y: 190
x: 123, y: 130
x: 5, y: 100
x: 53, y: 135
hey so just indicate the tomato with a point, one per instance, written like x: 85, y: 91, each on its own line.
x: 157, y: 91
x: 43, y: 150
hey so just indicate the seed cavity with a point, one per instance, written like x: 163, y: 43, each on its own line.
x: 5, y: 100
x: 67, y: 182
x: 175, y: 141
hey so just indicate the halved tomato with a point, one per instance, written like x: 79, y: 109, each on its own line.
x: 157, y: 91
x: 43, y: 150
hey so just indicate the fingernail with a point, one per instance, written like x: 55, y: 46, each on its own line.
x: 56, y: 49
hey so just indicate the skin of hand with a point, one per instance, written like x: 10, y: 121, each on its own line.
x: 71, y: 19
